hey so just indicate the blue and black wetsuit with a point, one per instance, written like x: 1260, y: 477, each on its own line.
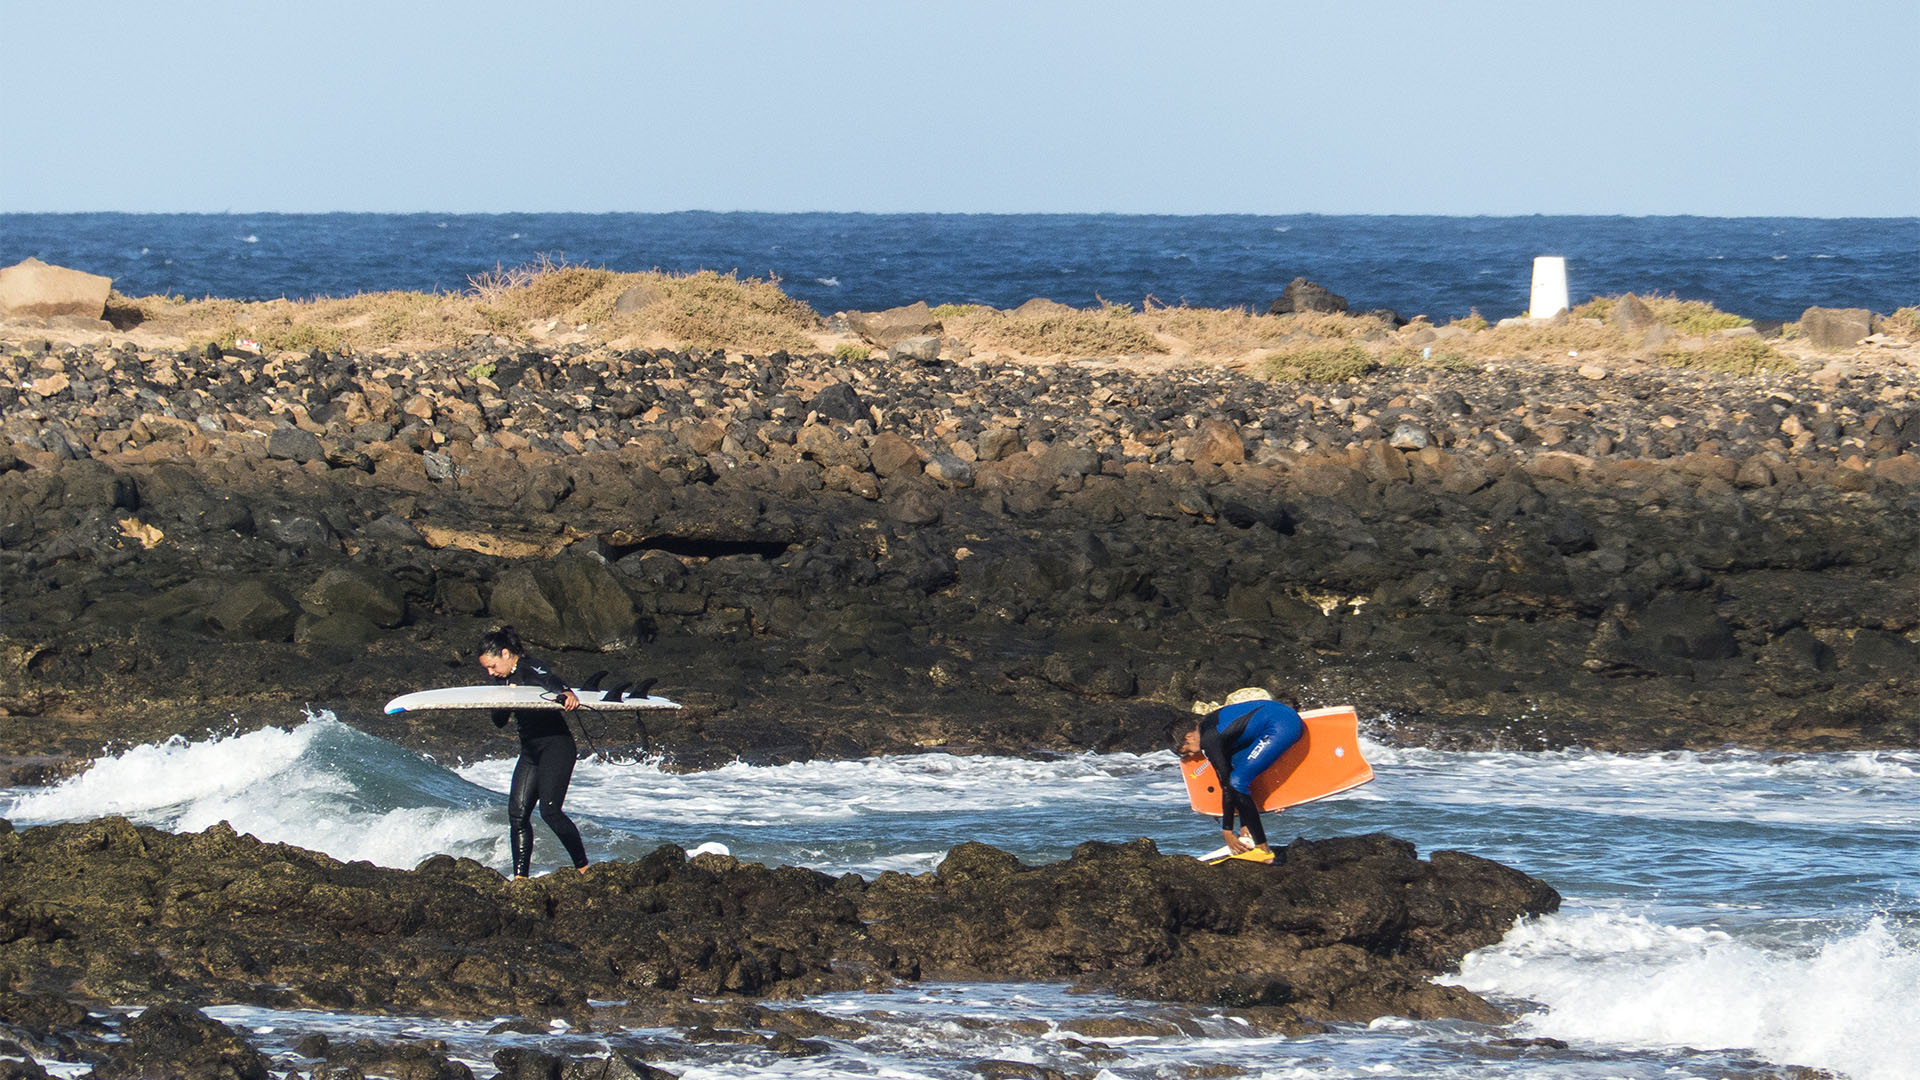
x: 1241, y: 742
x: 547, y: 751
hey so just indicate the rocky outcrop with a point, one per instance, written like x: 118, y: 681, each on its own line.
x: 1341, y: 929
x: 831, y: 556
x: 34, y: 289
x: 894, y: 325
x: 1302, y: 297
x: 1836, y: 328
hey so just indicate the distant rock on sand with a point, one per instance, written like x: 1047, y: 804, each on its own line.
x: 1302, y: 296
x: 31, y: 288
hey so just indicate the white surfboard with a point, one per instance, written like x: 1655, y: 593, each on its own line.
x: 495, y: 696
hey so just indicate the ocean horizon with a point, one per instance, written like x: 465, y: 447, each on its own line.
x: 1445, y: 267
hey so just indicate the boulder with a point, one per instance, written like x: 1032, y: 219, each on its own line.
x: 838, y: 402
x: 1685, y: 627
x: 887, y: 328
x: 1835, y: 328
x: 569, y: 603
x: 298, y: 532
x: 253, y: 610
x: 359, y: 591
x: 996, y: 443
x: 915, y: 506
x: 893, y: 454
x: 950, y: 470
x: 826, y: 446
x: 1302, y: 296
x: 924, y: 349
x: 289, y: 443
x: 1631, y: 315
x: 178, y: 1040
x: 32, y: 288
x: 1408, y: 435
x: 1041, y: 307
x: 1214, y: 442
x: 336, y: 630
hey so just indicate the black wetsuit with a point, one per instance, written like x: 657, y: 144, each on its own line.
x: 545, y: 768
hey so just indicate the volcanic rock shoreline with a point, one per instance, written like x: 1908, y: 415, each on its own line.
x: 106, y: 912
x: 831, y: 557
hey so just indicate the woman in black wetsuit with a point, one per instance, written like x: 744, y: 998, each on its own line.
x: 547, y: 750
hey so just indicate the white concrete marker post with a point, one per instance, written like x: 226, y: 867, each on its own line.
x: 1549, y: 287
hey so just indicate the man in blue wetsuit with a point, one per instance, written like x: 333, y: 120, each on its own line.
x: 547, y: 750
x: 1241, y: 738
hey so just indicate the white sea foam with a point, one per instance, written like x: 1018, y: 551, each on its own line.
x: 321, y: 785
x: 843, y: 790
x: 1850, y: 1004
x: 1862, y: 789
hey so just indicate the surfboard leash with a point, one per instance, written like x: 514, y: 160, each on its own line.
x: 617, y: 692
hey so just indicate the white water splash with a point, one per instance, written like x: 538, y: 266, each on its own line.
x: 1850, y: 1004
x: 307, y: 786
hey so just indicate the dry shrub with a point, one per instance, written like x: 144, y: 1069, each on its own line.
x: 1335, y: 326
x: 703, y: 310
x: 327, y: 323
x: 1736, y: 356
x: 708, y: 310
x: 1217, y: 331
x: 1104, y: 331
x: 547, y: 289
x: 200, y: 320
x: 1545, y: 339
x: 1905, y: 322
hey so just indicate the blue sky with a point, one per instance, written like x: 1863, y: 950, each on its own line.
x: 1628, y: 107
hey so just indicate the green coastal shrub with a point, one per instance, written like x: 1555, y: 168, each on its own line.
x: 1320, y: 363
x: 1696, y: 317
x: 851, y: 352
x: 1738, y: 356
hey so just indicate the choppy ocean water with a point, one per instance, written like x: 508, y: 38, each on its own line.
x: 1727, y: 914
x: 1763, y: 268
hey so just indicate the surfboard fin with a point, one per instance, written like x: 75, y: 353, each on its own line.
x: 618, y: 691
x: 593, y: 681
x: 643, y: 687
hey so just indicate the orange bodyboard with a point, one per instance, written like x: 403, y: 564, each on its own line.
x: 1326, y: 761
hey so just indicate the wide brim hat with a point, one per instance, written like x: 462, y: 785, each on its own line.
x: 1240, y: 696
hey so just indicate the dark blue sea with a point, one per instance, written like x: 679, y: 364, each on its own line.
x: 1763, y: 268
